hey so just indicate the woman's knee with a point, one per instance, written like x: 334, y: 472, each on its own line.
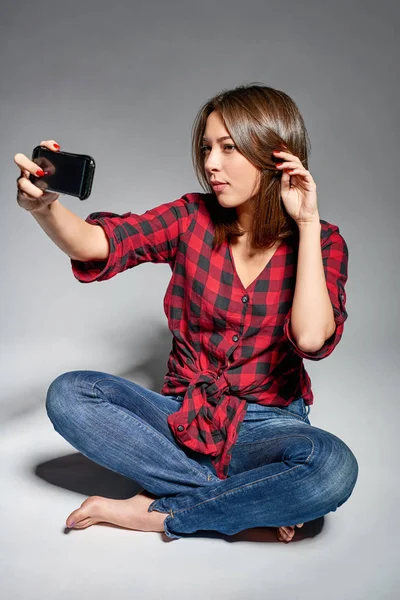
x: 341, y: 467
x: 62, y: 393
x: 348, y: 469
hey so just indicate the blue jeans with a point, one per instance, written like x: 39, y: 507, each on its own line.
x: 283, y: 470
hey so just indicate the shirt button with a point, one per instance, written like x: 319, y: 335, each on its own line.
x: 235, y: 338
x: 245, y: 299
x: 180, y: 428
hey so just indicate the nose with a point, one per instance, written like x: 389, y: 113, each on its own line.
x: 212, y: 162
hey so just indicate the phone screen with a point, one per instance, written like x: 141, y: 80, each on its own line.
x: 68, y: 173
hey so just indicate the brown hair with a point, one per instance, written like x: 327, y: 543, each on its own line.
x: 259, y: 119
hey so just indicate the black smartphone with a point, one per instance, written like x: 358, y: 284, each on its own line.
x: 68, y: 173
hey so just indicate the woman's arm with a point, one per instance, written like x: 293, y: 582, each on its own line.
x: 74, y: 236
x: 312, y: 318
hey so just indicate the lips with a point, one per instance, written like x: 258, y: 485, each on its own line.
x: 218, y: 187
x: 216, y: 183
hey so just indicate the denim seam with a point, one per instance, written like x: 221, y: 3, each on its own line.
x: 194, y: 470
x: 83, y: 390
x: 252, y: 482
x: 126, y: 386
x: 287, y: 412
x: 263, y: 441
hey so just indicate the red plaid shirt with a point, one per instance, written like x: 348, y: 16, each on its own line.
x: 231, y: 345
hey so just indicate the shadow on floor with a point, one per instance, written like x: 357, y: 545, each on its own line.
x: 77, y: 473
x: 264, y: 534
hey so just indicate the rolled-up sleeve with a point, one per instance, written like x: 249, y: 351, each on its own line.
x: 134, y: 239
x: 335, y: 256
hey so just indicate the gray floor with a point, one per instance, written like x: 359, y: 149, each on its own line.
x: 354, y: 554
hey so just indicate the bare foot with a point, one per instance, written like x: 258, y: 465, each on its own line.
x: 285, y: 534
x: 131, y: 513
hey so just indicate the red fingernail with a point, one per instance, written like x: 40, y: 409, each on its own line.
x: 40, y: 172
x: 56, y: 146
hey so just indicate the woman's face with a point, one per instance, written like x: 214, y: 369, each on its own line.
x: 223, y: 162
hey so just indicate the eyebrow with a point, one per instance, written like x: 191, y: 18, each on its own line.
x: 226, y: 137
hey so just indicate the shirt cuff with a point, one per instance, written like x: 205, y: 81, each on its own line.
x: 329, y: 344
x: 98, y: 270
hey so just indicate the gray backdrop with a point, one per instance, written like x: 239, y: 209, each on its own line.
x: 122, y: 81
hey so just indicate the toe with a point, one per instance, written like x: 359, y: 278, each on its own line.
x: 289, y: 529
x: 285, y: 534
x: 76, y: 516
x: 86, y: 510
x: 72, y: 519
x: 83, y: 524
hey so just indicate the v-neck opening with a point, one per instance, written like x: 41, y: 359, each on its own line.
x: 267, y: 266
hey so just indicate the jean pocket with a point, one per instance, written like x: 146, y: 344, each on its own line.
x: 297, y: 408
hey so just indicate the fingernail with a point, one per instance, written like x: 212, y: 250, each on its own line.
x: 72, y: 524
x: 56, y: 146
x: 40, y: 172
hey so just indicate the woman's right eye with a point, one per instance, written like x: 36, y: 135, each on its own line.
x: 204, y: 148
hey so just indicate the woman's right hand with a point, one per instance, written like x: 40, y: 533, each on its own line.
x: 29, y: 196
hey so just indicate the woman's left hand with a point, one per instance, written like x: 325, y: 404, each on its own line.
x: 298, y: 189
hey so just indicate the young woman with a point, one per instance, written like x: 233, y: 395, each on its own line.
x: 257, y: 286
